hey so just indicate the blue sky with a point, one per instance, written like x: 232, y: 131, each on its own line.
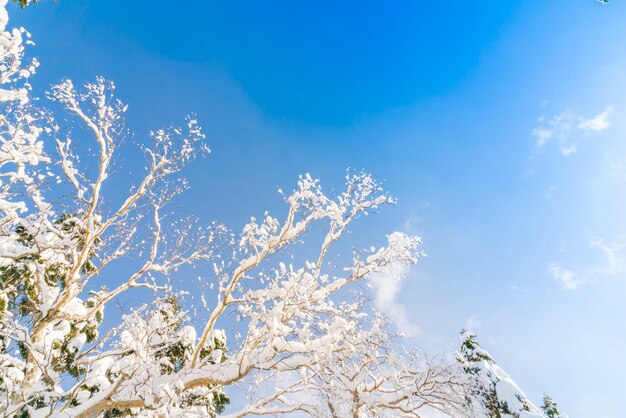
x: 446, y: 102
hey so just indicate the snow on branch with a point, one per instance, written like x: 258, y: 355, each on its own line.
x: 71, y: 243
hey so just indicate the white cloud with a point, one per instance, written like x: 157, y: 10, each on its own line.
x: 618, y: 169
x: 612, y: 266
x: 598, y: 123
x: 568, y: 279
x: 611, y: 251
x: 386, y: 286
x: 567, y: 129
x: 542, y: 135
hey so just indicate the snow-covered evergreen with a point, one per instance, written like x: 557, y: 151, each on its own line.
x: 494, y: 393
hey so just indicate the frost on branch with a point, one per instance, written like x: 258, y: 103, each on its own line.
x: 71, y: 242
x: 364, y: 375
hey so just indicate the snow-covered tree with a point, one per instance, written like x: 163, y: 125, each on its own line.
x: 493, y: 391
x: 364, y: 376
x: 70, y: 243
x: 550, y: 408
x: 24, y: 3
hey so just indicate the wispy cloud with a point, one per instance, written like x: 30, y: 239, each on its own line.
x: 598, y: 123
x: 611, y: 252
x: 568, y: 128
x: 568, y: 279
x: 612, y: 265
x: 386, y: 286
x: 617, y: 169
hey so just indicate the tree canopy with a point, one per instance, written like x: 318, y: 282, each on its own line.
x: 71, y: 243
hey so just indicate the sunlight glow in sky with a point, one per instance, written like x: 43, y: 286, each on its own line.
x: 498, y: 126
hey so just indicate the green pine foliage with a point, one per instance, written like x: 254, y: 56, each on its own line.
x: 550, y: 408
x: 488, y: 379
x: 22, y: 297
x: 24, y: 3
x: 173, y: 354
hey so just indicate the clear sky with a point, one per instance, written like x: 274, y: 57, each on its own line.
x: 498, y: 125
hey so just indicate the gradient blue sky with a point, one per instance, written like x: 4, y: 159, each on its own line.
x: 438, y: 99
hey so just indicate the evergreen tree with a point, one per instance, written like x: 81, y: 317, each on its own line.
x: 493, y: 391
x: 550, y: 408
x: 24, y: 3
